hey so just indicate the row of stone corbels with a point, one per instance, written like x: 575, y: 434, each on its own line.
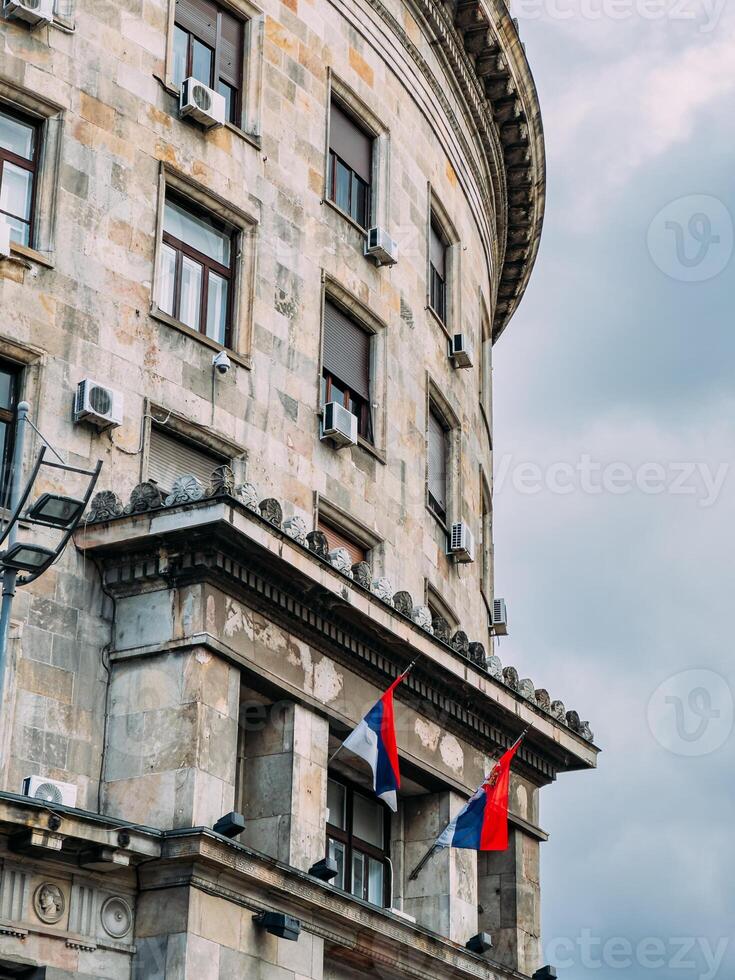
x: 472, y: 21
x: 187, y: 489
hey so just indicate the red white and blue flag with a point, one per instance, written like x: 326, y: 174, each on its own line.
x: 482, y: 825
x: 374, y: 740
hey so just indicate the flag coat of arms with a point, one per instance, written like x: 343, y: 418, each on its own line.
x: 374, y: 740
x: 482, y: 825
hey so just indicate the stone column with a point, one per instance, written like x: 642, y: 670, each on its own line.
x: 444, y: 896
x: 171, y: 753
x: 284, y: 784
x: 510, y: 900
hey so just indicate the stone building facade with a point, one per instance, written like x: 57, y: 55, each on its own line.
x: 243, y: 589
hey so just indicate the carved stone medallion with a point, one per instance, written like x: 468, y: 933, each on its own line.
x: 117, y: 917
x: 49, y: 902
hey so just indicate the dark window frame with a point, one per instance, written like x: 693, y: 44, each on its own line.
x: 364, y: 218
x: 352, y: 842
x: 440, y: 513
x: 215, y: 76
x: 209, y: 265
x: 32, y: 165
x: 7, y: 418
x: 438, y: 282
x: 354, y: 402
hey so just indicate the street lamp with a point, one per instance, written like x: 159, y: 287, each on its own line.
x: 56, y: 510
x: 26, y: 557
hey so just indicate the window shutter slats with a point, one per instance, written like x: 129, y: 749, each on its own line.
x: 437, y: 249
x: 336, y: 539
x: 200, y: 18
x: 231, y: 50
x: 347, y: 351
x: 351, y: 143
x: 169, y: 458
x: 437, y: 449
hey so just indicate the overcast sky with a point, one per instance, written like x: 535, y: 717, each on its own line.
x: 615, y: 480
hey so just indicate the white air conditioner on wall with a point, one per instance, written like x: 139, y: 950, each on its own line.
x: 33, y: 12
x: 461, y: 351
x: 461, y: 542
x: 98, y: 404
x: 202, y: 104
x: 500, y: 618
x: 50, y: 790
x: 380, y: 247
x: 339, y: 425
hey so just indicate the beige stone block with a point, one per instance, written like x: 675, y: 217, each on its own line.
x: 215, y: 919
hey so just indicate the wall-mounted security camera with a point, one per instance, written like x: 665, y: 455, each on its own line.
x: 221, y: 362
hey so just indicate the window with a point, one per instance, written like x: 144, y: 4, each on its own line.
x: 486, y: 544
x: 437, y: 269
x: 9, y: 384
x: 170, y: 456
x: 350, y: 166
x: 438, y: 452
x: 209, y: 45
x: 338, y: 539
x: 18, y: 165
x: 196, y: 269
x: 358, y: 840
x: 486, y: 375
x: 346, y: 366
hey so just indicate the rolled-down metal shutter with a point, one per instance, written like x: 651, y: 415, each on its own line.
x: 437, y: 439
x: 337, y: 539
x: 438, y: 248
x: 350, y: 143
x: 231, y: 50
x: 347, y: 350
x: 169, y: 458
x: 199, y: 17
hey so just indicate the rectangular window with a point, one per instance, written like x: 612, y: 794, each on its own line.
x: 19, y: 145
x: 350, y: 165
x: 358, y: 840
x: 208, y: 44
x: 170, y: 456
x: 196, y: 270
x: 346, y: 367
x: 338, y: 539
x: 438, y: 452
x: 437, y: 269
x: 9, y: 385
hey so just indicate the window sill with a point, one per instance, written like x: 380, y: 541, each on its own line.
x: 170, y: 321
x: 438, y: 320
x: 253, y: 138
x: 30, y: 254
x: 372, y: 450
x: 347, y: 217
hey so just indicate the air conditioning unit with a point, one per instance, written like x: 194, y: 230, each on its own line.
x: 33, y: 12
x: 339, y: 425
x: 499, y: 624
x: 201, y: 103
x: 380, y: 247
x: 50, y: 790
x: 461, y: 542
x: 98, y: 404
x: 461, y: 351
x: 4, y: 239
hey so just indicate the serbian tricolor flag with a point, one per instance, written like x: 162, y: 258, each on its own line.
x: 374, y: 740
x: 483, y: 823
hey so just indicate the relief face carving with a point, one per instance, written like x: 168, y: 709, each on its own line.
x: 49, y: 903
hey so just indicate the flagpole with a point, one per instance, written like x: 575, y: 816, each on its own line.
x: 400, y: 677
x: 420, y: 866
x: 435, y: 847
